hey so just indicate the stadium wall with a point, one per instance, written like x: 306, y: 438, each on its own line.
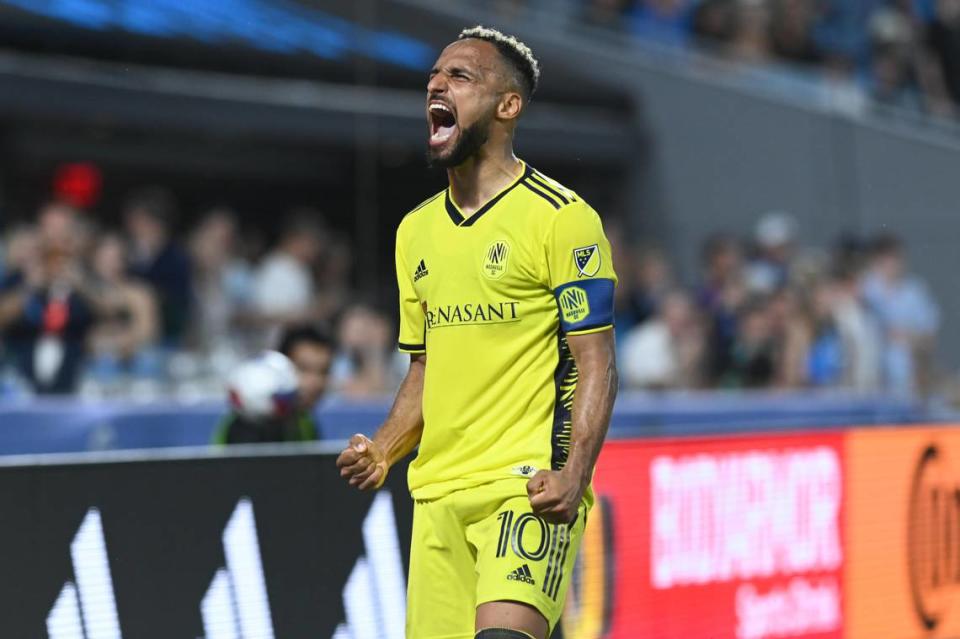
x: 846, y: 533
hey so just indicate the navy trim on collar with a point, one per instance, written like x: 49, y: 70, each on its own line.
x: 457, y: 218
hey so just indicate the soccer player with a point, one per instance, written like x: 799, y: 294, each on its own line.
x: 506, y: 309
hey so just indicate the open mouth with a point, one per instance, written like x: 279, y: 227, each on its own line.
x: 443, y: 124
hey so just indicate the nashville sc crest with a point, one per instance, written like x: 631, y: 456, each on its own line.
x: 495, y: 260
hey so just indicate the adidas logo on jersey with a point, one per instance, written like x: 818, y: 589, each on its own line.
x: 421, y: 271
x: 522, y: 574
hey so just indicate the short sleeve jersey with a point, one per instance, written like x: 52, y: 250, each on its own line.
x: 490, y: 299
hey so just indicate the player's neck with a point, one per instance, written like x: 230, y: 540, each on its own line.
x: 479, y: 179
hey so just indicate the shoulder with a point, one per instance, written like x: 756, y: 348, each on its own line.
x: 421, y: 210
x: 413, y: 223
x: 550, y: 193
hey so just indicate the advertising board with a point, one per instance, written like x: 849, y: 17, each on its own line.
x: 903, y: 532
x: 726, y: 537
x: 250, y: 546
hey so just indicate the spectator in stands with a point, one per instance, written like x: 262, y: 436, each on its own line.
x: 769, y: 268
x: 715, y: 22
x: 857, y: 328
x: 311, y: 350
x: 752, y: 358
x: 127, y: 326
x: 623, y: 262
x: 791, y: 31
x: 909, y: 317
x: 158, y: 259
x: 825, y: 361
x: 364, y: 363
x: 722, y: 293
x: 841, y: 33
x: 22, y: 245
x: 893, y: 76
x: 902, y: 72
x: 667, y: 350
x: 943, y: 39
x: 721, y: 261
x: 792, y: 333
x: 45, y: 308
x: 651, y: 280
x: 751, y: 37
x: 284, y: 288
x: 665, y: 22
x: 222, y: 281
x: 334, y: 289
x: 606, y: 13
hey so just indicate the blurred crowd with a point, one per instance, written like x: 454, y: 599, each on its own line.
x: 142, y: 311
x: 768, y: 313
x: 906, y: 53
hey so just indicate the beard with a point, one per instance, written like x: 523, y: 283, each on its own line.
x: 470, y: 141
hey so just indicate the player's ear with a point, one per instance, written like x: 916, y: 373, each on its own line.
x: 510, y: 106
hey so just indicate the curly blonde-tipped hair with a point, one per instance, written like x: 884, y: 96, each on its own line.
x: 525, y: 66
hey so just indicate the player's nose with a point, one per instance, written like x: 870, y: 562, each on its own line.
x: 437, y: 85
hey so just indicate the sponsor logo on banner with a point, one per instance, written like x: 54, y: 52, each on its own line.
x: 903, y: 533
x: 933, y: 538
x: 236, y: 604
x: 92, y: 594
x: 738, y: 538
x: 736, y: 517
x: 375, y: 595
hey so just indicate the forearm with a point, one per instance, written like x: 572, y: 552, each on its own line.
x: 592, y: 405
x: 401, y: 431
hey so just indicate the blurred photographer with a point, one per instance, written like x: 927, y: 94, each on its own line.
x: 45, y: 307
x: 273, y: 397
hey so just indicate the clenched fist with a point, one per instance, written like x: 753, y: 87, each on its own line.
x: 555, y: 496
x: 363, y: 463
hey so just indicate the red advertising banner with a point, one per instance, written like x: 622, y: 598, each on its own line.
x: 737, y: 537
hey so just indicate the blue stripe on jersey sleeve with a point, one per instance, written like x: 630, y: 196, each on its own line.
x: 585, y: 304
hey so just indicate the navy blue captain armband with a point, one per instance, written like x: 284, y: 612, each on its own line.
x: 585, y: 304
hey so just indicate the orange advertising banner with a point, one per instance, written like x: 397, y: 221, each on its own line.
x: 902, y: 576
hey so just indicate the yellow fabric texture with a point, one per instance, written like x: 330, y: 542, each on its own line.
x: 478, y: 296
x: 480, y: 545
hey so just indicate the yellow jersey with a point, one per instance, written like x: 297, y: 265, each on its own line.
x: 490, y: 299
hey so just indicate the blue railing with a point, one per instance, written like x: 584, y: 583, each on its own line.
x: 68, y: 425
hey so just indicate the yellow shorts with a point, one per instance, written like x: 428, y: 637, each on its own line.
x: 484, y: 544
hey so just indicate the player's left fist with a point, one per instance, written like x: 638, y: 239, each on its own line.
x: 555, y: 496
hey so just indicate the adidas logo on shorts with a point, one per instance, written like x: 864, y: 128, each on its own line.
x: 522, y: 574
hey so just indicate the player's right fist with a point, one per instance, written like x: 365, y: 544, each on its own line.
x: 362, y: 463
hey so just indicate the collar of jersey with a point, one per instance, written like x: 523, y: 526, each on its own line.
x: 454, y: 211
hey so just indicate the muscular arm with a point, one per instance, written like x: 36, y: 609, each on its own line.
x: 556, y: 495
x: 365, y: 462
x: 403, y: 427
x: 595, y: 355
